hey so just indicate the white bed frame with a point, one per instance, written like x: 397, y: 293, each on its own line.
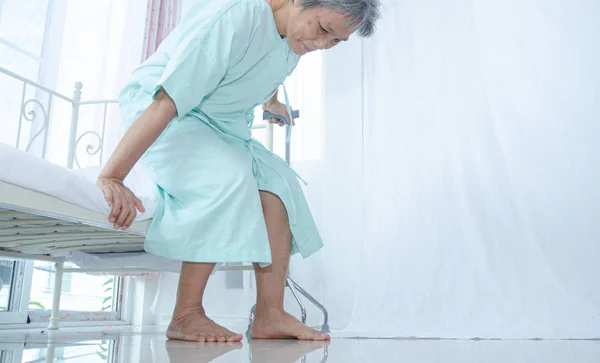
x: 35, y: 226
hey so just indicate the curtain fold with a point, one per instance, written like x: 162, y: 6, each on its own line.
x: 161, y: 18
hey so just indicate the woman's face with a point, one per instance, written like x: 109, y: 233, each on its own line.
x: 316, y: 28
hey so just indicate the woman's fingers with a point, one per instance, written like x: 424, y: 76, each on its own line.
x: 279, y: 122
x: 138, y: 204
x: 276, y: 121
x: 117, y: 202
x: 131, y: 207
x: 125, y: 211
x: 130, y: 217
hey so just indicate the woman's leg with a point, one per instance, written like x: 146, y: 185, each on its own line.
x: 189, y: 318
x: 272, y: 322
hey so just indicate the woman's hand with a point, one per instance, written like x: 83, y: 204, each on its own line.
x: 277, y: 108
x: 122, y: 200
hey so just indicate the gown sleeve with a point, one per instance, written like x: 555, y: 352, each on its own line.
x: 213, y: 36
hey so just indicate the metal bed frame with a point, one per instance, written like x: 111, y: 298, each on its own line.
x: 30, y: 230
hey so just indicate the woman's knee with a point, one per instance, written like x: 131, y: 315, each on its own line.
x: 273, y: 209
x: 276, y: 220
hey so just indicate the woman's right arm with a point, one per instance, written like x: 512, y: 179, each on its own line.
x: 140, y: 136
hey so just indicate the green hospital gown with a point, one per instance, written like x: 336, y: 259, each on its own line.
x: 224, y: 58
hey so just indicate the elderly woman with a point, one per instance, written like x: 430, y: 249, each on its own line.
x: 222, y: 197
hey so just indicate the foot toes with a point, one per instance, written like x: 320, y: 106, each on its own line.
x: 314, y: 336
x: 235, y: 338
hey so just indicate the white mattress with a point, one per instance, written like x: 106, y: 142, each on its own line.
x: 77, y: 187
x: 40, y: 188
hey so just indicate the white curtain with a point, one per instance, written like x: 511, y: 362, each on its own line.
x: 457, y: 181
x: 101, y: 45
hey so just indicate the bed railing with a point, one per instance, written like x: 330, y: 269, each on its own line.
x: 38, y: 111
x: 74, y: 140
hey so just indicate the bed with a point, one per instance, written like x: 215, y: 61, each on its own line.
x: 56, y: 213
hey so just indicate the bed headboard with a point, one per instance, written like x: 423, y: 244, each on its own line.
x: 36, y: 107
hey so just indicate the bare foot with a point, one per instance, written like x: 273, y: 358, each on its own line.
x: 197, y: 327
x: 283, y: 351
x: 187, y: 352
x: 277, y: 324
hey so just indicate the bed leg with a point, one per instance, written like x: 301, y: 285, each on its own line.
x: 51, y: 349
x: 58, y: 279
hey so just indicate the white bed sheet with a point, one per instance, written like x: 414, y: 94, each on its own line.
x: 78, y: 187
x: 74, y: 186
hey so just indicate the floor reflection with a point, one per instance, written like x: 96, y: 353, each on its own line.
x: 257, y: 351
x: 156, y: 349
x: 187, y: 352
x: 101, y: 351
x: 152, y: 347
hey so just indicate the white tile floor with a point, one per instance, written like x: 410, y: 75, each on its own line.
x: 150, y: 346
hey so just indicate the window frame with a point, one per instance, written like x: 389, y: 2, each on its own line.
x: 20, y: 289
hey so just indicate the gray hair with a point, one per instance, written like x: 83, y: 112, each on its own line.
x: 363, y: 13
